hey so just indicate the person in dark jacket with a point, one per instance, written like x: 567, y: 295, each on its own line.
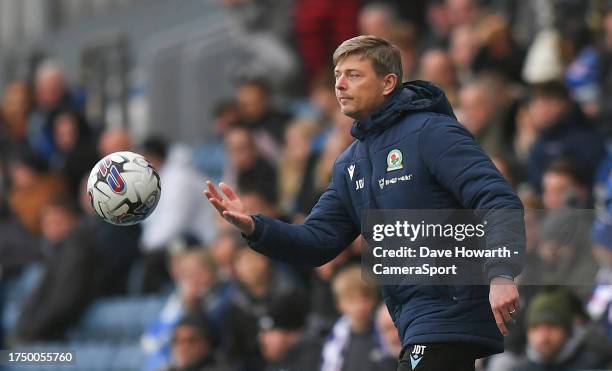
x: 192, y: 348
x: 553, y: 342
x: 564, y: 132
x: 448, y: 326
x: 68, y: 282
x: 283, y: 339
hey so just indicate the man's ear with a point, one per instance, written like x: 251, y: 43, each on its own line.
x: 389, y: 84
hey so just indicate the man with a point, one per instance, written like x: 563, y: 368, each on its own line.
x: 563, y: 131
x: 192, y: 346
x: 51, y: 96
x: 554, y: 342
x: 68, y: 282
x: 285, y: 344
x: 449, y: 171
x: 564, y: 186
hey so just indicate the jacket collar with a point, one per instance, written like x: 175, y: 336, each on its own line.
x: 413, y: 96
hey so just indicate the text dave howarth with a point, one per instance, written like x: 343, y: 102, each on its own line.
x: 425, y: 252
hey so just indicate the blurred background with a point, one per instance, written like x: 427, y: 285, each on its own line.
x: 243, y: 91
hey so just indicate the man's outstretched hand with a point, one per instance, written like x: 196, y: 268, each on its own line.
x: 504, y: 299
x: 230, y: 207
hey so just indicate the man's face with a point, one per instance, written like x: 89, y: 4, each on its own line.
x: 546, y: 339
x: 556, y: 190
x: 359, y: 89
x: 239, y: 147
x: 252, y: 269
x: 195, y: 277
x: 274, y: 344
x: 188, y: 346
x: 56, y: 224
x: 437, y: 67
x: 49, y: 89
x: 358, y: 307
x: 252, y: 102
x: 545, y: 111
x: 477, y: 109
x: 66, y: 132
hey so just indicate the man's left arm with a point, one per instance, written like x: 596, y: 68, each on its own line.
x: 461, y: 166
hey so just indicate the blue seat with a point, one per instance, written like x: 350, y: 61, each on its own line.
x: 117, y: 319
x: 15, y: 292
x: 128, y: 357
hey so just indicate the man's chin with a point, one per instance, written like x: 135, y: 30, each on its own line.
x: 349, y: 113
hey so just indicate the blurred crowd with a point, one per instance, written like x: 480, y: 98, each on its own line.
x: 531, y: 80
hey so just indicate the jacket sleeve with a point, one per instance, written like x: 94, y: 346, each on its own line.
x: 459, y: 164
x: 325, y: 233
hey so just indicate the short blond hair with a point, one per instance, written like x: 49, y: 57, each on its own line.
x: 349, y: 282
x: 385, y: 57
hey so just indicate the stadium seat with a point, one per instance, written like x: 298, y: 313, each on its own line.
x: 117, y: 319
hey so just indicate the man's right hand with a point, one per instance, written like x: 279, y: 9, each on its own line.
x: 230, y: 207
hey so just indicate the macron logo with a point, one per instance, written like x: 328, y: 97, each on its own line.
x: 351, y: 171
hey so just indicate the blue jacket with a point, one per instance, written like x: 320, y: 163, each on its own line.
x: 449, y: 171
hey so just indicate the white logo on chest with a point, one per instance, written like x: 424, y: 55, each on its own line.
x: 351, y: 171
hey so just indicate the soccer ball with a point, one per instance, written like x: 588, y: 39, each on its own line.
x: 123, y: 188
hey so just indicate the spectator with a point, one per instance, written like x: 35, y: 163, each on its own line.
x: 180, y: 212
x: 582, y: 59
x: 463, y: 48
x: 192, y: 348
x: 354, y: 343
x: 552, y: 342
x: 32, y: 187
x: 323, y: 99
x: 294, y: 163
x: 499, y: 52
x: 439, y: 22
x: 382, y: 19
x: 197, y: 291
x: 464, y: 12
x: 14, y: 110
x: 563, y: 132
x: 378, y: 19
x: 257, y: 113
x: 51, y: 96
x: 75, y: 156
x: 246, y: 168
x: 563, y: 186
x: 480, y: 113
x: 114, y: 140
x: 284, y: 342
x: 118, y: 247
x: 223, y: 250
x: 323, y: 312
x: 525, y: 134
x: 389, y: 336
x: 338, y: 141
x: 258, y: 285
x: 68, y: 281
x: 437, y: 67
x: 600, y: 303
x: 226, y: 116
x: 564, y: 254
